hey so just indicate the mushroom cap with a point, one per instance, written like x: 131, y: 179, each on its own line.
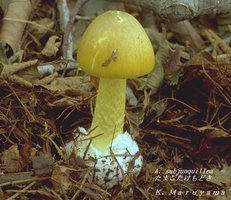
x: 115, y: 45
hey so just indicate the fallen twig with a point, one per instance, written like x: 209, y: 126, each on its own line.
x: 23, y: 190
x: 22, y: 179
x: 68, y: 20
x: 183, y: 9
x: 56, y: 66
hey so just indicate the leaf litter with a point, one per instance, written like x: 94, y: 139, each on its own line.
x: 180, y: 114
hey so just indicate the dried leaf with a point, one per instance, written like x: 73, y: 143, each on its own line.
x: 131, y: 98
x: 4, y: 4
x: 155, y: 78
x: 159, y: 42
x: 11, y: 159
x: 172, y: 67
x: 52, y: 46
x: 47, y: 79
x: 61, y: 179
x: 187, y: 33
x: 12, y: 29
x: 41, y: 27
x: 73, y: 85
x: 16, y: 67
x: 17, y: 79
x: 221, y: 177
x: 146, y: 100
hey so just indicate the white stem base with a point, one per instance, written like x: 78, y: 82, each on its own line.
x: 120, y: 158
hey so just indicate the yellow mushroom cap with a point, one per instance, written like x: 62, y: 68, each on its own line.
x: 115, y: 45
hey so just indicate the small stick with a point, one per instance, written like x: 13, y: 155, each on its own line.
x: 178, y: 10
x: 23, y: 190
x: 67, y: 39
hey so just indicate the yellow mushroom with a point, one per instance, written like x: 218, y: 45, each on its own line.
x: 114, y: 48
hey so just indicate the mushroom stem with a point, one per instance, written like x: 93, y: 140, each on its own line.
x: 108, y: 120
